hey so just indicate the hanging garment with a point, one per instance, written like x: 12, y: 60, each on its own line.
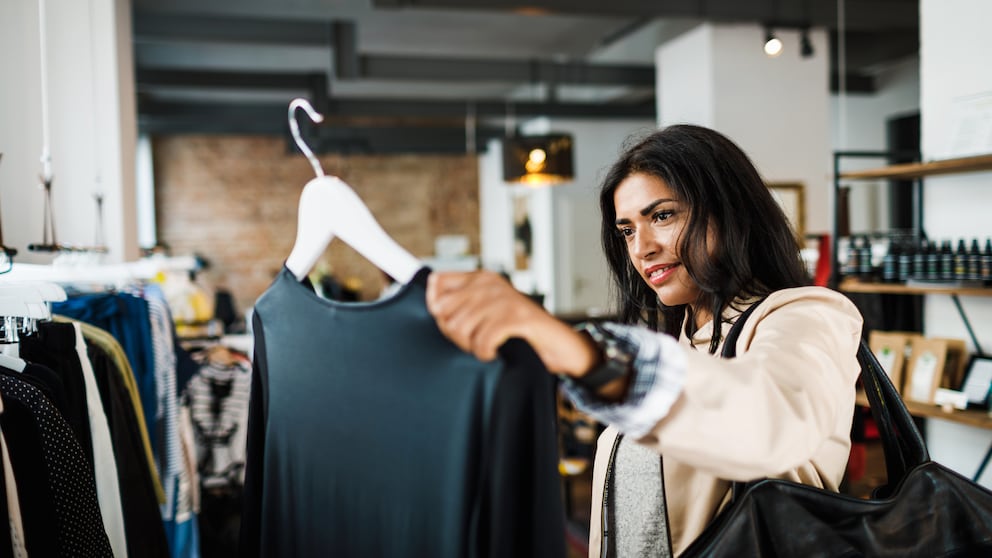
x: 125, y: 316
x: 11, y: 540
x: 108, y: 488
x: 372, y: 435
x: 103, y: 346
x: 59, y: 347
x: 218, y: 401
x: 54, y: 349
x: 140, y: 489
x: 216, y: 404
x: 23, y: 437
x: 69, y: 476
x: 170, y: 457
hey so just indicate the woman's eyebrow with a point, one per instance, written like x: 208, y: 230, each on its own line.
x: 650, y: 207
x: 644, y: 212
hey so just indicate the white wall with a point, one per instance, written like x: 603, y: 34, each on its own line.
x: 687, y: 92
x: 864, y: 116
x: 91, y: 128
x: 776, y: 109
x: 568, y: 263
x: 955, y: 49
x: 582, y: 277
x: 858, y: 123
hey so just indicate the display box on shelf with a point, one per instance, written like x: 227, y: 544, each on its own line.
x: 934, y: 363
x: 891, y: 348
x: 977, y: 381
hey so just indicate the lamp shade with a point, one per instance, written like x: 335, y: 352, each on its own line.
x: 538, y: 160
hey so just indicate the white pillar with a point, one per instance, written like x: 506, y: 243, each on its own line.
x: 91, y: 123
x: 955, y: 101
x: 776, y: 109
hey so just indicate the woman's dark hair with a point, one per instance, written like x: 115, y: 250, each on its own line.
x: 755, y: 252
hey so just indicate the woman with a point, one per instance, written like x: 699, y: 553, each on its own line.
x: 690, y: 233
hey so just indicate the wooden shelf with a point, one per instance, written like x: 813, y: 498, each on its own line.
x: 919, y: 170
x: 855, y: 286
x: 970, y: 417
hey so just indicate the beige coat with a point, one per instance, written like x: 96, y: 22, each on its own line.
x: 782, y: 408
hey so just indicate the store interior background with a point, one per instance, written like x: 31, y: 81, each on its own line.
x: 227, y: 187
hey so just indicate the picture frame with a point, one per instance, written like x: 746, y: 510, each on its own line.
x: 791, y: 196
x: 889, y: 348
x: 955, y: 363
x: 978, y: 381
x: 934, y: 363
x: 926, y: 367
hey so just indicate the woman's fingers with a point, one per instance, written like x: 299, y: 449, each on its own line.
x: 480, y: 310
x: 475, y: 310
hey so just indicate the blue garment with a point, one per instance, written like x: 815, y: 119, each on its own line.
x: 182, y: 531
x: 125, y: 316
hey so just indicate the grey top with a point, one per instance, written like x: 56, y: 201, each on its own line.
x: 640, y: 529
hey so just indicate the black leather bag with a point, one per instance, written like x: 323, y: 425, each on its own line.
x: 925, y: 509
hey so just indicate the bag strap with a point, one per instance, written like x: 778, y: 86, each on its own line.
x: 902, y: 442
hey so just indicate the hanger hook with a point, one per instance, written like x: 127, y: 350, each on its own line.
x: 294, y: 128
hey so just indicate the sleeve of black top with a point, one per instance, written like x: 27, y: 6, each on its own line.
x: 522, y: 507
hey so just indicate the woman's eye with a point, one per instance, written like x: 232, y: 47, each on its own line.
x: 626, y: 232
x: 662, y: 215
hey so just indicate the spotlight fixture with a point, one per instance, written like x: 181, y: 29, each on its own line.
x: 538, y: 160
x: 773, y: 45
x: 805, y: 45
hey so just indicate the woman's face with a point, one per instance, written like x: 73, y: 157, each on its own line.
x: 650, y: 220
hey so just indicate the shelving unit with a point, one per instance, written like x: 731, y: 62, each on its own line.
x: 971, y: 417
x: 908, y: 171
x: 855, y: 286
x: 916, y: 172
x: 922, y: 170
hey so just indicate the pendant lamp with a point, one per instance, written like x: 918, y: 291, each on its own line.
x: 538, y: 160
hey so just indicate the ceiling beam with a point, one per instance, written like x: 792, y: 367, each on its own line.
x: 159, y: 77
x: 863, y: 14
x: 349, y: 135
x: 272, y: 116
x: 864, y: 49
x: 418, y: 69
x: 164, y: 26
x: 853, y: 83
x: 514, y: 71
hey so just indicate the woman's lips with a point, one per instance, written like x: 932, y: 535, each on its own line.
x: 658, y: 274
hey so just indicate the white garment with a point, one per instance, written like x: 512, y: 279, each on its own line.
x: 13, y: 501
x: 108, y: 491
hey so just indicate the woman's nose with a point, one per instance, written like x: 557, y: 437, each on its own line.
x: 645, y: 245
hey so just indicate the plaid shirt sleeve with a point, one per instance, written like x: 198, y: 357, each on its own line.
x: 658, y: 378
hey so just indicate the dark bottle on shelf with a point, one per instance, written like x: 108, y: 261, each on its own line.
x: 974, y: 261
x: 961, y: 261
x: 918, y: 267
x: 987, y: 261
x: 864, y: 258
x: 892, y: 262
x: 932, y: 272
x: 946, y: 261
x: 850, y: 266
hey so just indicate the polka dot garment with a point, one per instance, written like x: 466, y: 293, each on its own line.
x: 81, y: 531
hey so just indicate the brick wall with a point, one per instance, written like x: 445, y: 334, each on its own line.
x: 234, y: 200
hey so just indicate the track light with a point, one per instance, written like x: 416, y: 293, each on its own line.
x: 773, y: 45
x: 805, y: 45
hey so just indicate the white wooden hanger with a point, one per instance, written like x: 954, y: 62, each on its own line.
x: 329, y: 207
x: 11, y: 308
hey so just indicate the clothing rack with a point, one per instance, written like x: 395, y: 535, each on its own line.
x: 106, y: 274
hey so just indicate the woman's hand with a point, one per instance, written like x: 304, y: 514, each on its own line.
x: 480, y: 310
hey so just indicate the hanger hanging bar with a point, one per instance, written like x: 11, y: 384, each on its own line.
x: 294, y: 128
